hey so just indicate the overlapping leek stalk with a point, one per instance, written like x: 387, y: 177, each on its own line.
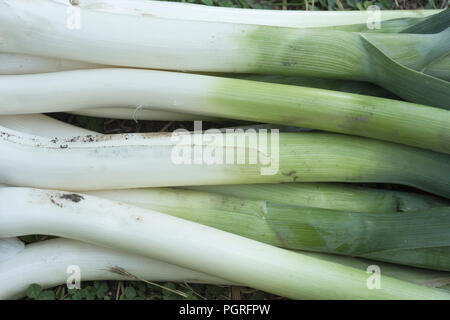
x: 295, y: 19
x: 190, y: 245
x: 374, y: 117
x: 393, y: 61
x: 344, y: 197
x: 301, y: 228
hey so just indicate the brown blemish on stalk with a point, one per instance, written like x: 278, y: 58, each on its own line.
x: 107, y: 137
x: 156, y: 134
x: 69, y: 196
x: 352, y: 121
x: 263, y: 206
x: 291, y: 174
x: 56, y: 203
x: 5, y: 134
x: 281, y: 239
x: 72, y: 197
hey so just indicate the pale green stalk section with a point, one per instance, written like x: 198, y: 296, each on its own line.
x: 190, y: 245
x: 374, y: 117
x: 330, y: 196
x: 157, y: 160
x: 380, y: 118
x: 392, y: 61
x: 296, y: 19
x: 40, y: 27
x: 46, y: 263
x: 439, y: 257
x: 358, y: 87
x: 428, y: 278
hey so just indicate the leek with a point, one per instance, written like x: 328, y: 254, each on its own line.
x: 384, y: 119
x: 391, y: 60
x: 147, y: 160
x: 193, y: 246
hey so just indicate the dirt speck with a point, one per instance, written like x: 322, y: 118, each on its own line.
x: 72, y: 197
x: 290, y: 173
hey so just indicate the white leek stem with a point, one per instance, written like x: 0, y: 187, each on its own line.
x: 9, y: 247
x: 46, y: 263
x: 190, y: 245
